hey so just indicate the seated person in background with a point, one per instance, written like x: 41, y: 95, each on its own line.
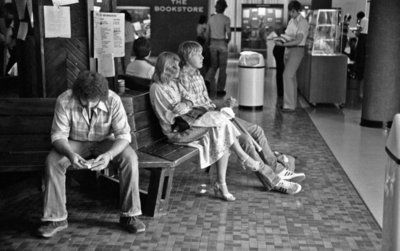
x: 141, y: 66
x: 350, y: 51
x: 192, y: 88
x: 90, y: 129
x: 214, y: 136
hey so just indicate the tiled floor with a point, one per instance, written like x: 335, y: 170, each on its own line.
x: 328, y: 214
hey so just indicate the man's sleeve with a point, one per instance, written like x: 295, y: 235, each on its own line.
x: 120, y: 125
x: 303, y: 28
x: 61, y: 123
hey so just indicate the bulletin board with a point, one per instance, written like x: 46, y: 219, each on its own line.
x: 256, y: 19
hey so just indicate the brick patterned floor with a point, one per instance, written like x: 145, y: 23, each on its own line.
x: 328, y: 214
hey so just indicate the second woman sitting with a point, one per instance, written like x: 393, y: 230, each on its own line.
x: 214, y: 139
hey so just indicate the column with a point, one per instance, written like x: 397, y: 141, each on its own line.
x: 381, y: 94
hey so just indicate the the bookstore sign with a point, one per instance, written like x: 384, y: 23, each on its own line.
x: 172, y: 21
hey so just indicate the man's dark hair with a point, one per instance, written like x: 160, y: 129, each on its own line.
x: 141, y: 47
x: 220, y: 6
x: 294, y: 5
x: 90, y: 85
x: 128, y: 16
x: 202, y: 19
x: 360, y: 15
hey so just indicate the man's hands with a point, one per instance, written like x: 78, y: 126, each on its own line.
x: 100, y: 163
x: 77, y: 161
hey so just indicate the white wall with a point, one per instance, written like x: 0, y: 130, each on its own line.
x: 352, y: 7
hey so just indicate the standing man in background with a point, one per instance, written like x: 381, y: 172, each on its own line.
x: 218, y: 34
x: 129, y: 38
x: 297, y: 30
x: 361, y: 33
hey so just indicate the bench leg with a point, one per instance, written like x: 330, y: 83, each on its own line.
x: 157, y: 199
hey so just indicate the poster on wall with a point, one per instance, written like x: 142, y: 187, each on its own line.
x: 108, y: 34
x: 258, y: 21
x: 57, y: 21
x: 166, y: 22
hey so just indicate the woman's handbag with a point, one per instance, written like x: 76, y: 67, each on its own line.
x: 185, y: 121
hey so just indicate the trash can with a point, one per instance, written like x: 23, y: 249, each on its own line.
x: 251, y: 80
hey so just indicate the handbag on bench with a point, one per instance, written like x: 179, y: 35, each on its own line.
x: 185, y: 121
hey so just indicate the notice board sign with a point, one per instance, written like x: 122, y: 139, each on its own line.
x: 172, y: 21
x: 109, y: 30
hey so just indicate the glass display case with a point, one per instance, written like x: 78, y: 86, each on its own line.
x: 322, y: 74
x: 325, y: 34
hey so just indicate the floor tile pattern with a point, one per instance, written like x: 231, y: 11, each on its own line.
x: 327, y: 214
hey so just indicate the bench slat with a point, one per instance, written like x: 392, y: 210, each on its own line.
x: 18, y: 161
x: 141, y: 100
x: 150, y: 161
x: 39, y: 142
x: 25, y: 124
x: 147, y: 136
x: 27, y: 106
x: 136, y: 83
x: 146, y: 119
x: 172, y: 152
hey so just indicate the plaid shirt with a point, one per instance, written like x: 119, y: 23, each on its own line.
x: 192, y: 82
x: 71, y: 119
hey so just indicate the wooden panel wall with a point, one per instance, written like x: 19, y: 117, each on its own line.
x: 64, y: 58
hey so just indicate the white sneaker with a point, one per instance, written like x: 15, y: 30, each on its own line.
x: 287, y: 187
x: 292, y: 176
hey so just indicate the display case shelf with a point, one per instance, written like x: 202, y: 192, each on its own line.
x: 325, y: 32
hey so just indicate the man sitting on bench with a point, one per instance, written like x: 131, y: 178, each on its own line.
x: 90, y: 129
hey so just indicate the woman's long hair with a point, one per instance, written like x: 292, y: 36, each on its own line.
x: 166, y: 68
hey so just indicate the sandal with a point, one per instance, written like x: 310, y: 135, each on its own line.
x: 250, y: 163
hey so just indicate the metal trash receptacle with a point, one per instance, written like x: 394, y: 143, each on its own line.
x: 251, y: 80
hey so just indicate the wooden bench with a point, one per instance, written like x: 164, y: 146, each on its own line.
x: 25, y: 142
x: 136, y: 83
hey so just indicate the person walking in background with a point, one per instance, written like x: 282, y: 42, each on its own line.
x: 279, y: 54
x: 361, y: 33
x: 201, y: 38
x: 141, y: 66
x: 129, y: 38
x: 218, y: 35
x: 345, y: 31
x: 297, y: 30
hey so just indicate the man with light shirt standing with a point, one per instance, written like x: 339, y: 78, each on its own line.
x: 218, y: 35
x: 361, y: 33
x: 297, y: 30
